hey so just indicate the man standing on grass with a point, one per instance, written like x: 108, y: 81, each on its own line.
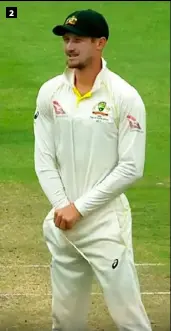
x: 90, y: 133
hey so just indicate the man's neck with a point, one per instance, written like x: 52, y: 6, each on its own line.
x: 85, y: 78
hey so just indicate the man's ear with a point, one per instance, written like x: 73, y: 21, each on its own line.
x: 101, y: 43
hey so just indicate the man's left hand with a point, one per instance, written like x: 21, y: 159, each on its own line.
x: 65, y: 218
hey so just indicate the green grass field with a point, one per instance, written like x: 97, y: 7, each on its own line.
x: 138, y: 50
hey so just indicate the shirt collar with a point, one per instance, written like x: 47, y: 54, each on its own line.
x: 69, y: 76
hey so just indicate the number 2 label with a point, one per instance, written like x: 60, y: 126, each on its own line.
x: 11, y: 12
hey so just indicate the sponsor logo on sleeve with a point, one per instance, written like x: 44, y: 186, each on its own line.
x: 133, y: 123
x: 36, y: 115
x: 57, y: 108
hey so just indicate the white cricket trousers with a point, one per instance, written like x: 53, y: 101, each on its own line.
x: 100, y: 247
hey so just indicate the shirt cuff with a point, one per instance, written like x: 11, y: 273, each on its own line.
x: 79, y: 204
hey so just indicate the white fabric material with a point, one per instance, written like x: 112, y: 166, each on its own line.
x: 89, y: 152
x: 73, y: 265
x: 83, y: 157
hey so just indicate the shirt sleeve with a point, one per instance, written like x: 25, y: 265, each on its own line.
x: 46, y: 165
x: 131, y: 157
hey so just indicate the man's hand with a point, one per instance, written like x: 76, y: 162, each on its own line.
x: 65, y: 218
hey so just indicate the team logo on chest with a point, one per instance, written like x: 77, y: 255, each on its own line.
x: 101, y: 109
x: 102, y: 112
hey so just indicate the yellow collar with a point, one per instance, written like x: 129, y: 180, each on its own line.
x: 69, y: 78
x: 81, y: 97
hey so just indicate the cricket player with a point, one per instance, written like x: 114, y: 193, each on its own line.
x: 90, y: 137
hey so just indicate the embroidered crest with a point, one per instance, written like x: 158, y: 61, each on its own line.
x: 71, y: 20
x: 101, y: 109
x: 101, y: 105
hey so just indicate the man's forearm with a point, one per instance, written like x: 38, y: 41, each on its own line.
x: 52, y: 186
x: 111, y: 187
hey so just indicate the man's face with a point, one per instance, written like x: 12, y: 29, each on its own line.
x: 79, y: 50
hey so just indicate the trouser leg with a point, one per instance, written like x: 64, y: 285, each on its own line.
x: 123, y: 297
x: 113, y: 264
x: 71, y: 279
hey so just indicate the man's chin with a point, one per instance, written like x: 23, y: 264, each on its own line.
x: 74, y: 64
x: 71, y: 65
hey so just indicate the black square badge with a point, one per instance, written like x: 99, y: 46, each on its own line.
x: 11, y: 12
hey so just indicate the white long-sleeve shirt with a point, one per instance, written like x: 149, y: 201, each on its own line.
x: 88, y: 149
